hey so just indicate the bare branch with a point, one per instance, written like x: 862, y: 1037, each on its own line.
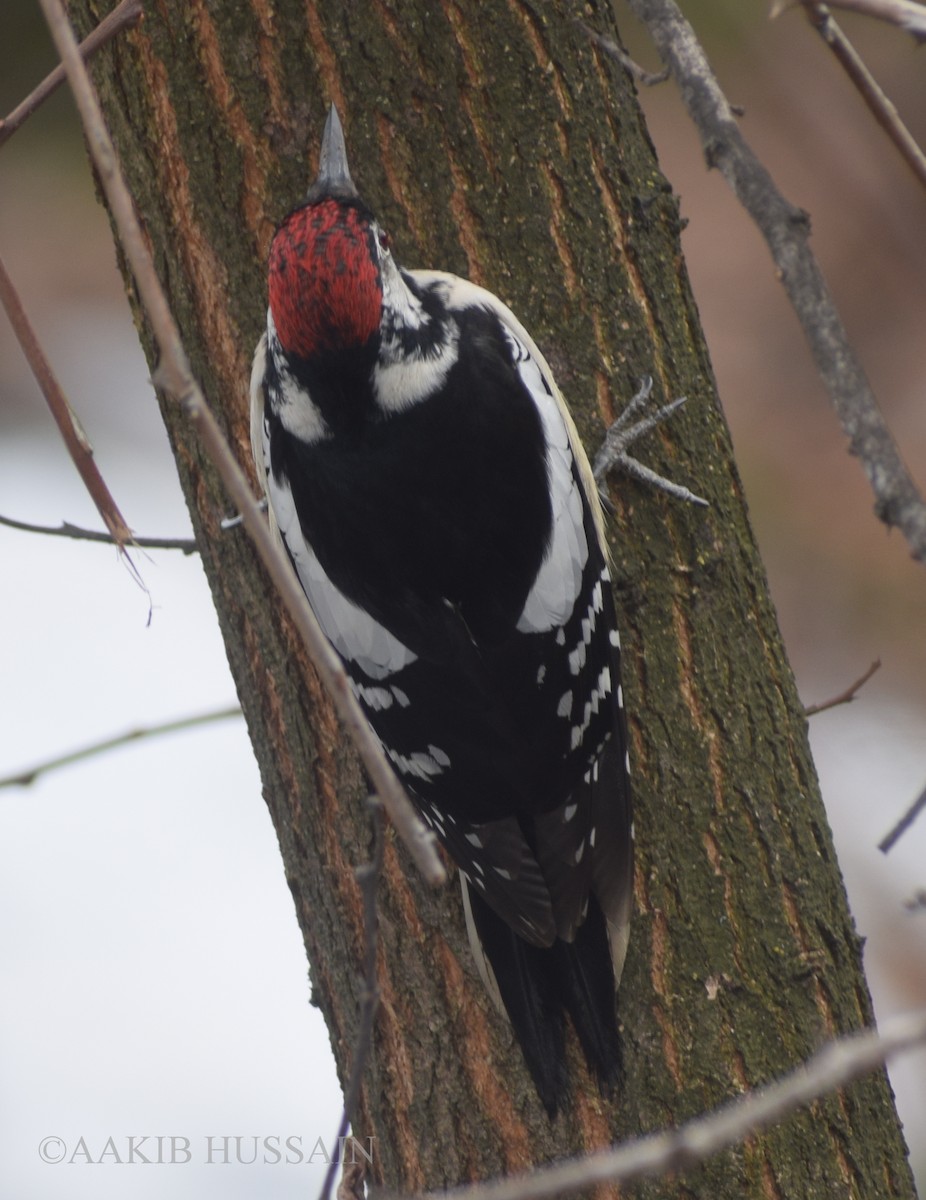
x: 836, y: 1064
x: 175, y: 377
x: 845, y: 697
x: 31, y: 774
x: 368, y: 877
x: 78, y: 534
x: 890, y: 839
x: 75, y: 439
x: 786, y: 230
x: 127, y: 13
x: 910, y: 17
x: 883, y: 110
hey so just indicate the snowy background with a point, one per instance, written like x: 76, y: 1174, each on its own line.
x: 154, y: 979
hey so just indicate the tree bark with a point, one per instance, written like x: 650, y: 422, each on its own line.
x: 494, y: 140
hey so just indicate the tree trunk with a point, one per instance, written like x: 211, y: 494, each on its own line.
x: 495, y: 141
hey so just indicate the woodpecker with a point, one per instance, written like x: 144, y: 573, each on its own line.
x: 429, y: 485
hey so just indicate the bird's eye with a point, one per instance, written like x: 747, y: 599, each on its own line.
x: 384, y: 241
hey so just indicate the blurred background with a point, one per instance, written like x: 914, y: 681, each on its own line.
x: 154, y: 980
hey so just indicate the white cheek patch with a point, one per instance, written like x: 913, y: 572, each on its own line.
x: 290, y: 401
x: 402, y: 376
x: 400, y: 385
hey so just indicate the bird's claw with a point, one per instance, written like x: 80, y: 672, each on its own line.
x: 621, y: 434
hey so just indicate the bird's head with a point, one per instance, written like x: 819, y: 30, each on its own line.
x: 326, y: 279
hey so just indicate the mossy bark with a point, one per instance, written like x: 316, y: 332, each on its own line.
x: 495, y: 140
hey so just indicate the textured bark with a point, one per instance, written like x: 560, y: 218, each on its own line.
x: 494, y: 140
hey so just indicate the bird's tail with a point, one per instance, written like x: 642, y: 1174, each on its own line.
x: 536, y: 986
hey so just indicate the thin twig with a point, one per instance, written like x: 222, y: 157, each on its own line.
x: 836, y: 1064
x: 633, y: 69
x: 122, y: 16
x: 78, y: 534
x: 367, y: 877
x: 908, y: 16
x: 845, y: 697
x: 31, y: 774
x: 890, y: 839
x: 786, y: 230
x: 75, y: 439
x: 175, y: 377
x: 882, y: 109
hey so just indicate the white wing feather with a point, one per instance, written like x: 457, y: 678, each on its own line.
x: 553, y: 596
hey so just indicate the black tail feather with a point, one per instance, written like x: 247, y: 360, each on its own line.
x: 533, y: 1007
x: 586, y: 981
x: 538, y: 984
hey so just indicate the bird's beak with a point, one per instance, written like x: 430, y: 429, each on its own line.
x: 333, y: 172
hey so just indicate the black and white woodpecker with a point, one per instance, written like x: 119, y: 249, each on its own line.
x: 430, y: 488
